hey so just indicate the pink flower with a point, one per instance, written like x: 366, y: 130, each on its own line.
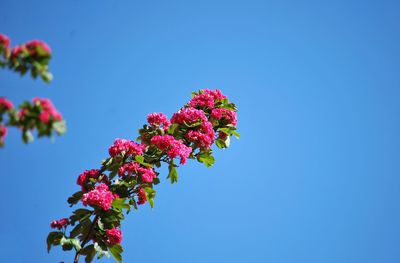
x: 147, y: 174
x: 158, y: 119
x: 48, y: 111
x: 3, y: 133
x: 128, y: 147
x: 203, y: 136
x: 17, y: 50
x: 100, y: 196
x: 84, y: 177
x: 206, y: 98
x: 141, y: 194
x: 44, y: 116
x: 173, y: 147
x: 4, y: 41
x: 59, y: 223
x: 189, y: 116
x: 33, y: 45
x: 5, y: 104
x: 225, y: 114
x: 114, y: 236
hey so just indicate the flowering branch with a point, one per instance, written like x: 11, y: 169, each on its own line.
x: 33, y: 57
x: 40, y: 115
x: 127, y: 177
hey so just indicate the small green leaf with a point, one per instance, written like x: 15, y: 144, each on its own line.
x: 119, y: 203
x: 89, y: 252
x: 206, y: 158
x: 236, y: 134
x: 172, y: 128
x: 60, y: 127
x: 150, y: 194
x: 173, y: 174
x: 53, y: 239
x: 140, y: 159
x: 27, y: 136
x: 116, y: 251
x: 220, y: 143
x: 72, y: 200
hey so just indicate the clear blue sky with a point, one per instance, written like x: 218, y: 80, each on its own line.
x: 315, y: 176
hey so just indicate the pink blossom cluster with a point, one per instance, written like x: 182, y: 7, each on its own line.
x: 128, y: 147
x: 141, y: 194
x: 147, y: 174
x: 4, y: 41
x: 203, y: 136
x: 225, y: 114
x: 59, y: 223
x: 33, y: 46
x: 189, y: 116
x: 206, y: 99
x: 100, y: 196
x: 84, y: 177
x: 3, y: 133
x: 173, y: 147
x: 114, y: 236
x: 48, y: 112
x: 5, y: 104
x: 158, y: 119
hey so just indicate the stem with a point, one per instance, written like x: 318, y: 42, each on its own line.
x: 78, y: 253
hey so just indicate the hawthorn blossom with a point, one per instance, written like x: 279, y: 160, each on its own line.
x: 114, y: 236
x: 158, y: 119
x: 4, y: 41
x: 128, y: 147
x: 189, y: 116
x: 17, y: 50
x: 100, y: 196
x: 5, y: 104
x: 203, y: 136
x: 84, y: 177
x: 48, y: 110
x: 33, y: 45
x: 3, y: 133
x: 206, y: 99
x: 228, y: 115
x: 59, y: 223
x: 173, y: 147
x: 147, y: 174
x: 141, y: 194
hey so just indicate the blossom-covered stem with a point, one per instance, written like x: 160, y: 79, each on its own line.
x: 87, y: 238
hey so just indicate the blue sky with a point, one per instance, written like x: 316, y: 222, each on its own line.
x: 315, y: 176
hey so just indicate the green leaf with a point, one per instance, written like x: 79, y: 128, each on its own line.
x: 102, y: 252
x: 173, y: 174
x: 119, y: 203
x: 228, y: 141
x: 60, y: 127
x: 236, y: 134
x: 75, y: 198
x: 47, y: 76
x: 27, y: 136
x: 80, y: 214
x: 89, y: 252
x: 140, y: 159
x: 206, y: 158
x: 116, y: 251
x: 53, y: 239
x: 150, y: 194
x: 172, y: 128
x: 220, y: 143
